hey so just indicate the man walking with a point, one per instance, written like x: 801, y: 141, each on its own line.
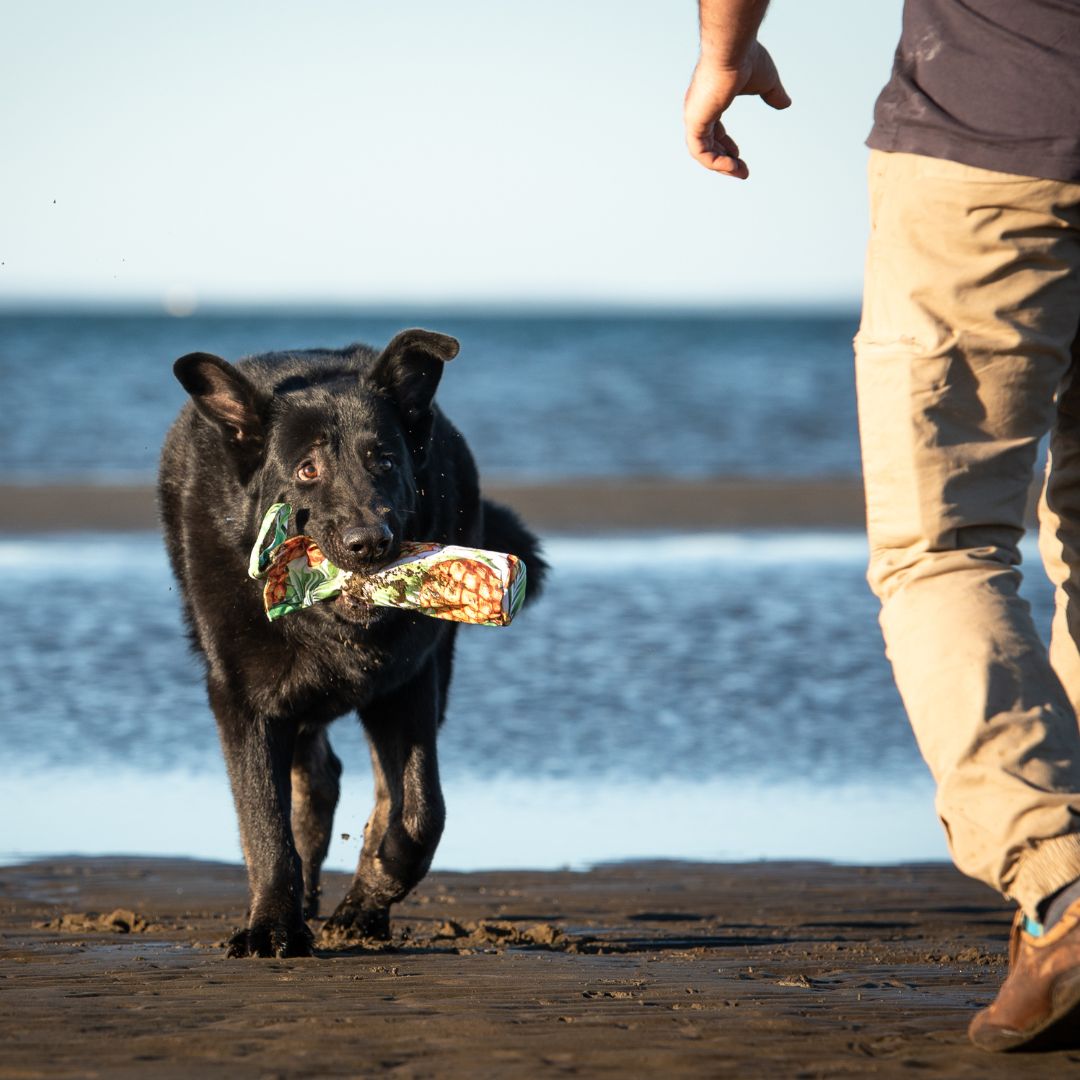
x: 967, y: 355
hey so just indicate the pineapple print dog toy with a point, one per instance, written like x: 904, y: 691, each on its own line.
x: 458, y: 583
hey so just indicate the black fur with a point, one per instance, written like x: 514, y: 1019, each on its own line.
x: 352, y: 439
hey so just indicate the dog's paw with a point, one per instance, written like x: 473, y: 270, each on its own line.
x: 352, y: 921
x: 271, y: 939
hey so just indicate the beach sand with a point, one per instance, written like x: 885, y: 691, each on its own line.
x: 114, y: 967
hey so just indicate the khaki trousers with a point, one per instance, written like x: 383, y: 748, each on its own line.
x: 967, y: 355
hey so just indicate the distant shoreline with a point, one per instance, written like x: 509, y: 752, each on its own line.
x: 594, y: 505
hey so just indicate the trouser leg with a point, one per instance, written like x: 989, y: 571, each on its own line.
x: 970, y: 311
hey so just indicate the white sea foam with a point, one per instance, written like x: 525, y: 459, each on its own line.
x: 618, y: 553
x: 100, y: 553
x: 79, y: 554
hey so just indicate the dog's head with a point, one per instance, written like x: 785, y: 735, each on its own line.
x: 344, y: 445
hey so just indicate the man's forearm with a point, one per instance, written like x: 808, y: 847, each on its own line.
x: 729, y: 28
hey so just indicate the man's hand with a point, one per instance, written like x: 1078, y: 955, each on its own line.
x: 712, y: 89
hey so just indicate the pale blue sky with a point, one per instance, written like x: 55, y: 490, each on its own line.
x: 365, y: 152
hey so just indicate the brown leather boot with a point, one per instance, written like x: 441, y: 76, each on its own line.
x: 1038, y: 1005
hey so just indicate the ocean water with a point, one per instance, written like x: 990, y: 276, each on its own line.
x: 695, y: 696
x: 684, y: 696
x: 537, y: 396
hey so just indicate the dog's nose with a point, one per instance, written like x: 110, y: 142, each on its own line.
x: 369, y: 543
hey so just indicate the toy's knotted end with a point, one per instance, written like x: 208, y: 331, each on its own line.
x: 272, y: 534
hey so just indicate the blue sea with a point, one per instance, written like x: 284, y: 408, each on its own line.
x: 538, y: 397
x: 675, y: 694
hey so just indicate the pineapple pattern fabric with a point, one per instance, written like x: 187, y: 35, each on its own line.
x: 467, y: 585
x: 466, y: 590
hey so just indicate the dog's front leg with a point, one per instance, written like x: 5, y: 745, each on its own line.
x: 258, y: 754
x: 404, y: 828
x: 316, y: 787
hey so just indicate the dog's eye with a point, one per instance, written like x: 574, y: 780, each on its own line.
x: 308, y: 471
x: 378, y: 461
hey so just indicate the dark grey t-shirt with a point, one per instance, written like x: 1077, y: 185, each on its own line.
x: 992, y: 83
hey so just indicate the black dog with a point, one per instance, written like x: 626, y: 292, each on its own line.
x: 353, y: 441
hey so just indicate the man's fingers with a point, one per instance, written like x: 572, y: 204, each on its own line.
x: 714, y: 148
x: 728, y: 166
x: 700, y: 148
x: 724, y: 141
x: 720, y: 162
x: 726, y: 158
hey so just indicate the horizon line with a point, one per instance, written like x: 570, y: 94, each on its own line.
x: 493, y: 308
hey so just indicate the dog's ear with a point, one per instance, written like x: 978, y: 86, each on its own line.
x: 224, y: 396
x: 410, y: 367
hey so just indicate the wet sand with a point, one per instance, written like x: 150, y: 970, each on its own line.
x: 568, y: 506
x: 114, y: 967
x: 601, y: 505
